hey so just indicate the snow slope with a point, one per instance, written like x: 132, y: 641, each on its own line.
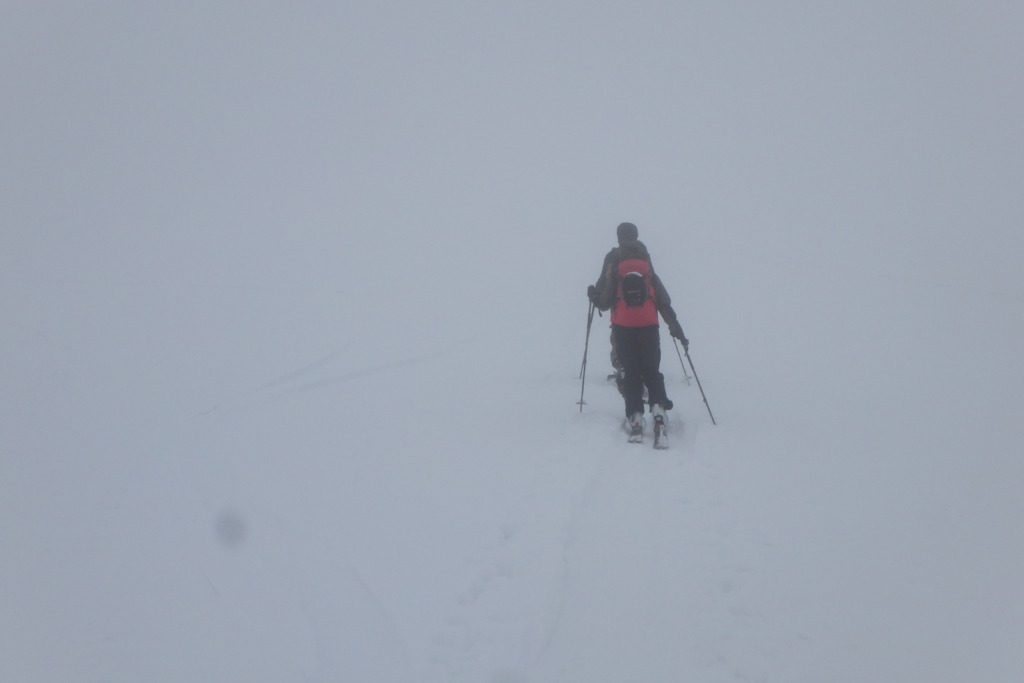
x: 294, y: 314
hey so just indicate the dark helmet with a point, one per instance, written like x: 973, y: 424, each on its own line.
x: 626, y: 232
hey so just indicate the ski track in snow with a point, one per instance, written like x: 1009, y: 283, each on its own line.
x: 604, y: 613
x: 614, y: 616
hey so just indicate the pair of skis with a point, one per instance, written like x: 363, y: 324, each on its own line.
x: 636, y: 432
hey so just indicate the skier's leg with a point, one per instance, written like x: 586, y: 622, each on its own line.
x: 650, y: 360
x: 629, y: 355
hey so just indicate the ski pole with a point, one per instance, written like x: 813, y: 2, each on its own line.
x: 586, y: 346
x: 685, y: 373
x: 702, y: 394
x: 590, y: 319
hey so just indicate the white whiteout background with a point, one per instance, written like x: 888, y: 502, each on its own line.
x: 293, y: 303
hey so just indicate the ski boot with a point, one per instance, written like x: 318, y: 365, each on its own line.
x: 635, y: 427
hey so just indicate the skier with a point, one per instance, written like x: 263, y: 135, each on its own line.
x: 629, y: 286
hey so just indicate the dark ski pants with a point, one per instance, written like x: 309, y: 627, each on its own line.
x: 639, y: 351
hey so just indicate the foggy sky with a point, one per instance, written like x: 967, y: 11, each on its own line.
x: 225, y: 136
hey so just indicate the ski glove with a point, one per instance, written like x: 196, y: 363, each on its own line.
x: 676, y: 330
x: 592, y: 294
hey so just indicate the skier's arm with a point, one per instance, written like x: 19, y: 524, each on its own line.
x: 602, y: 293
x: 664, y: 305
x: 595, y: 290
x: 604, y: 297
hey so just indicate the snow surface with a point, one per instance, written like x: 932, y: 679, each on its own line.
x: 294, y: 309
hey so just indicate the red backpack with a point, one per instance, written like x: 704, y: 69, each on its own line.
x: 635, y: 306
